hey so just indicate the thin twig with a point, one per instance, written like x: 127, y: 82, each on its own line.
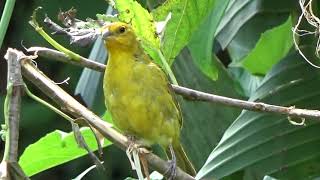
x: 59, y: 56
x: 252, y: 106
x: 69, y: 104
x: 198, y: 95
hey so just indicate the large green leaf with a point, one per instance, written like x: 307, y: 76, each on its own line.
x: 244, y: 41
x: 246, y: 82
x: 273, y: 45
x: 187, y: 15
x: 201, y: 42
x: 267, y: 144
x: 142, y: 22
x: 54, y: 149
x: 204, y: 123
x: 241, y: 11
x: 130, y: 11
x: 247, y: 37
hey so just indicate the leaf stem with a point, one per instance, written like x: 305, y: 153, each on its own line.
x: 33, y: 22
x: 167, y: 68
x: 48, y: 105
x: 6, y: 118
x: 5, y: 19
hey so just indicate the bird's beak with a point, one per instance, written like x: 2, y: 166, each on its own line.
x: 105, y: 33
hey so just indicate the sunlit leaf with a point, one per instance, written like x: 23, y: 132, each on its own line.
x: 187, y: 15
x: 240, y: 12
x: 54, y: 149
x: 273, y: 45
x: 244, y: 41
x: 130, y: 11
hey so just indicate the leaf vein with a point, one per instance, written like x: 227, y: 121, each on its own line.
x: 176, y: 31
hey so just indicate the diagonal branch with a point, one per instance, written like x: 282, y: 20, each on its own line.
x: 68, y: 103
x: 197, y: 95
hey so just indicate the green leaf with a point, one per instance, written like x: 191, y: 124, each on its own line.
x: 54, y: 149
x: 5, y: 19
x: 249, y: 34
x: 247, y: 82
x: 239, y: 13
x: 201, y: 42
x: 244, y: 41
x: 265, y: 143
x: 273, y: 45
x: 187, y: 15
x: 130, y: 11
x: 107, y: 117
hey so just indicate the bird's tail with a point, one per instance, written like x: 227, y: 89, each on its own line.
x: 183, y: 161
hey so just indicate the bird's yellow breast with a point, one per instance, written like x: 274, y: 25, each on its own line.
x: 138, y: 98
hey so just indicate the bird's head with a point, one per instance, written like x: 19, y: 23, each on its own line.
x: 119, y: 35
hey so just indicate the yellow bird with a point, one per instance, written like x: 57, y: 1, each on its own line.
x: 138, y: 94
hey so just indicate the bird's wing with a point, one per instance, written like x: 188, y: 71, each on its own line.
x: 160, y: 72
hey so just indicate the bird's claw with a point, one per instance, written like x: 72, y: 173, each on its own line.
x: 129, y: 151
x: 137, y: 148
x: 172, y: 170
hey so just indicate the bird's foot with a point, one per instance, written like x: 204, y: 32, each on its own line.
x: 172, y: 169
x: 134, y: 148
x: 131, y: 148
x: 133, y: 156
x: 135, y: 153
x: 136, y: 145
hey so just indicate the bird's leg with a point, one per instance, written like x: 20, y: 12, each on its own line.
x: 135, y: 152
x: 129, y: 154
x: 172, y: 164
x: 137, y: 144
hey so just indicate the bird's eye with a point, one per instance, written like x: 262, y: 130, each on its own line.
x: 122, y: 29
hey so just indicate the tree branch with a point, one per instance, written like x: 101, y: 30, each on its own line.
x: 10, y: 169
x: 59, y: 56
x: 197, y: 95
x: 68, y: 103
x: 252, y: 106
x: 13, y: 104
